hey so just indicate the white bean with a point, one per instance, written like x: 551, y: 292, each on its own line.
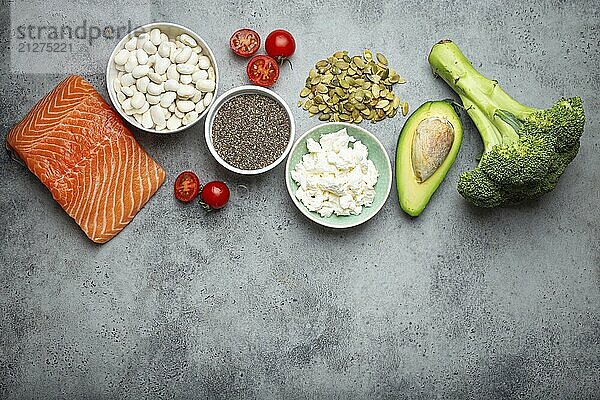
x: 178, y: 44
x: 197, y: 96
x: 201, y: 74
x: 172, y: 72
x: 185, y: 91
x: 147, y: 120
x: 157, y: 114
x: 164, y: 37
x: 142, y: 56
x: 121, y: 97
x: 167, y: 99
x: 205, y: 85
x: 142, y: 84
x: 187, y: 39
x: 140, y: 71
x: 138, y: 100
x: 173, y: 123
x: 172, y: 107
x: 185, y: 105
x: 116, y: 84
x: 155, y: 36
x: 167, y: 113
x: 131, y: 62
x: 211, y: 74
x: 184, y: 55
x: 185, y: 79
x: 174, y: 53
x: 120, y: 68
x: 127, y: 80
x: 197, y: 50
x: 162, y: 65
x: 130, y: 112
x: 151, y: 60
x: 144, y: 108
x: 164, y: 49
x: 200, y: 107
x: 127, y: 91
x: 178, y: 113
x: 207, y: 99
x: 143, y: 38
x: 171, y: 85
x: 156, y: 78
x: 122, y: 57
x: 190, y: 117
x: 149, y: 47
x: 203, y: 62
x: 154, y: 89
x: 193, y: 60
x: 185, y: 69
x: 138, y: 118
x: 131, y: 44
x: 152, y: 99
x: 126, y: 105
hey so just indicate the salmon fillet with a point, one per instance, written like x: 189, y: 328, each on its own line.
x: 75, y: 143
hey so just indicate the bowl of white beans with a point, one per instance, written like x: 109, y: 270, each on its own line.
x: 162, y: 78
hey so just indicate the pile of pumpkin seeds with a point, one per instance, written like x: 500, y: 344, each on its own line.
x: 350, y: 89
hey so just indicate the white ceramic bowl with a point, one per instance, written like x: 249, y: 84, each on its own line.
x: 172, y: 31
x: 248, y: 89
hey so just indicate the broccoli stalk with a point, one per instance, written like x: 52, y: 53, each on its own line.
x: 525, y: 149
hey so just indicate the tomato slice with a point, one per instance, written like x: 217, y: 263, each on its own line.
x: 244, y: 42
x: 187, y: 186
x: 263, y: 70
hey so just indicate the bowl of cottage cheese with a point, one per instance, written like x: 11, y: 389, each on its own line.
x: 338, y: 175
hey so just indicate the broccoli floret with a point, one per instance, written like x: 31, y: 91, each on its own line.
x: 526, y: 149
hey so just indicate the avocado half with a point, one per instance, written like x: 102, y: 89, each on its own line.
x: 427, y: 148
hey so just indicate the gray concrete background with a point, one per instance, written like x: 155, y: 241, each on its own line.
x: 258, y: 302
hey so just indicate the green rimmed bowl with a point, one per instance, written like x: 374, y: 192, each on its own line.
x: 377, y: 154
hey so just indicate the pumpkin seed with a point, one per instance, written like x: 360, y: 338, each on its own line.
x: 381, y: 58
x: 305, y: 92
x: 382, y: 103
x: 324, y: 117
x: 368, y: 55
x: 313, y: 109
x: 404, y: 108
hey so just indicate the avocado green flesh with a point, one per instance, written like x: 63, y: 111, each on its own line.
x: 415, y: 195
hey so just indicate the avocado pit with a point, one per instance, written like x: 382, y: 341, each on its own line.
x: 432, y: 142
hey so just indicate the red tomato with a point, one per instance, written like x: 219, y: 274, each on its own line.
x: 215, y: 194
x: 187, y: 186
x: 244, y: 42
x: 280, y: 45
x: 263, y: 70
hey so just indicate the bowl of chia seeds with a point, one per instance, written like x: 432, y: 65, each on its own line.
x: 249, y: 130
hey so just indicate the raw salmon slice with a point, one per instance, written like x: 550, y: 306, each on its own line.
x: 75, y: 143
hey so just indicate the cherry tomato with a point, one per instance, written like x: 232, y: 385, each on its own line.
x: 244, y: 42
x: 263, y: 70
x: 280, y: 45
x: 215, y: 194
x: 187, y: 186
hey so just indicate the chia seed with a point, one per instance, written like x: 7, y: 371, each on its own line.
x: 251, y: 131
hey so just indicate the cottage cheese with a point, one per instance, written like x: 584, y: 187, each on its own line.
x: 334, y: 178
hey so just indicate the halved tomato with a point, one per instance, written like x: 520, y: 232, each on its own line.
x: 187, y: 186
x: 244, y: 42
x: 263, y: 70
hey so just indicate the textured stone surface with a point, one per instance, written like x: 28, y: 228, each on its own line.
x: 258, y: 302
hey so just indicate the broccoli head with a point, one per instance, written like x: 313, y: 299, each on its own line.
x: 526, y: 150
